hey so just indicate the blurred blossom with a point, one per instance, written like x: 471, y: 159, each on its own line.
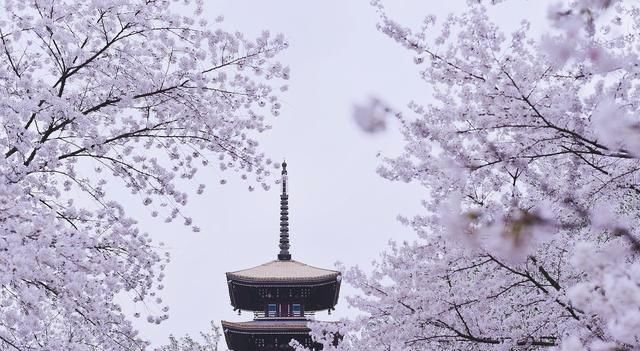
x: 372, y: 116
x: 617, y: 128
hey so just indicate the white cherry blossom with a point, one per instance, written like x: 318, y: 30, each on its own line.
x: 100, y: 98
x: 528, y: 149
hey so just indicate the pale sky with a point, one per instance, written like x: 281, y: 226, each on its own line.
x: 340, y: 209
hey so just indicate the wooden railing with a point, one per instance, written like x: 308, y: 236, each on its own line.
x: 263, y: 315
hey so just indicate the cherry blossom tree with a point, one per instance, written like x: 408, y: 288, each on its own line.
x: 529, y: 152
x: 99, y: 99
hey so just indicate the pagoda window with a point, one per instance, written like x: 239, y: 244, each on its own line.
x: 272, y: 310
x: 296, y: 310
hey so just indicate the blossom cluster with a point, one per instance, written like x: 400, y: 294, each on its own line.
x: 102, y: 102
x: 529, y: 152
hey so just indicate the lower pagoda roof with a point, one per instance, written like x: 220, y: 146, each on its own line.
x: 283, y: 272
x: 267, y: 326
x: 268, y: 335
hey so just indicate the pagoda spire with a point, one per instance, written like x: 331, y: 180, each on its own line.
x: 284, y: 254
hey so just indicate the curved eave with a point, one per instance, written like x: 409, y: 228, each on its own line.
x: 267, y: 327
x: 335, y: 281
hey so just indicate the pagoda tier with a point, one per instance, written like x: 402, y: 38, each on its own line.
x: 284, y: 282
x: 266, y: 335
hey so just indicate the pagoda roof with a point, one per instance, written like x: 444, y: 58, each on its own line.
x: 267, y: 326
x: 282, y: 272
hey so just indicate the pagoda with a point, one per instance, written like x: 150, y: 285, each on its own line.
x: 283, y: 295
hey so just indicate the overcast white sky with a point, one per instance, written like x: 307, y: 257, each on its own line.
x: 340, y: 209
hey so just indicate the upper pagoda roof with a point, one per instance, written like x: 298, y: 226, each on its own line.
x: 280, y: 271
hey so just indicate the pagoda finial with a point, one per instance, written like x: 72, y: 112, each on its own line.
x: 284, y: 254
